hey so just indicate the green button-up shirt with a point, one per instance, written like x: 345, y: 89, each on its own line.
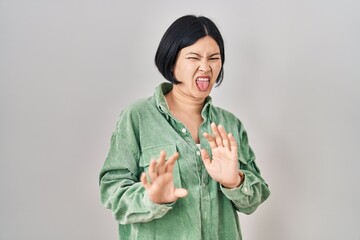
x: 209, y: 211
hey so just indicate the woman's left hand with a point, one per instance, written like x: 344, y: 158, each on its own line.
x: 224, y: 166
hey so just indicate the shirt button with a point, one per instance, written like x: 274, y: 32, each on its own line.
x: 198, y: 153
x: 245, y: 189
x: 183, y: 130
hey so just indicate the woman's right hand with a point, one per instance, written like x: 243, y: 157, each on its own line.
x: 160, y: 185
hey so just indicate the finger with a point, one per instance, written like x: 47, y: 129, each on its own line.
x: 233, y: 144
x: 144, y: 181
x: 180, y: 192
x: 160, y: 167
x: 217, y: 135
x: 169, y: 165
x: 224, y: 136
x: 205, y: 157
x: 152, y: 170
x: 211, y: 140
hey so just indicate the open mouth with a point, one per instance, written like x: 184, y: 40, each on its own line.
x: 203, y: 83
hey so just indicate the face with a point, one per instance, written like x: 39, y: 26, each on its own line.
x: 197, y: 68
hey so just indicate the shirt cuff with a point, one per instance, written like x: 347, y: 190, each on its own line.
x: 236, y: 193
x: 157, y: 210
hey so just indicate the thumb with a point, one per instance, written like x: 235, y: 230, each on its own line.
x: 205, y: 156
x: 180, y: 192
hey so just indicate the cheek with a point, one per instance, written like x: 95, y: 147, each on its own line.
x: 182, y: 73
x: 186, y: 70
x: 216, y: 68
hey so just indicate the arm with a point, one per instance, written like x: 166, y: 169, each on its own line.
x: 251, y: 193
x: 120, y: 187
x: 235, y: 169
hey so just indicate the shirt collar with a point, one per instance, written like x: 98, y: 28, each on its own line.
x: 159, y: 95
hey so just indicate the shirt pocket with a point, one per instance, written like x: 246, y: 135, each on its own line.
x: 153, y: 152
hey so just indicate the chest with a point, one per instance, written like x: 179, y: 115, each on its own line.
x: 192, y: 122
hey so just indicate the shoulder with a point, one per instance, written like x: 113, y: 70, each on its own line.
x: 228, y: 119
x: 138, y: 106
x: 132, y: 113
x: 220, y: 115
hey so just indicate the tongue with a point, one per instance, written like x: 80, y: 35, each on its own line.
x: 203, y: 85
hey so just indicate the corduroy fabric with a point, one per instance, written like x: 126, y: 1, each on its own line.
x: 209, y: 211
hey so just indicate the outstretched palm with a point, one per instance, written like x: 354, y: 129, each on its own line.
x: 223, y: 167
x: 160, y: 186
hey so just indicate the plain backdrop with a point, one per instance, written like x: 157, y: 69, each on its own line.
x: 67, y: 69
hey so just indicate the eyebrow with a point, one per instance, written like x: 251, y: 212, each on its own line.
x: 194, y: 53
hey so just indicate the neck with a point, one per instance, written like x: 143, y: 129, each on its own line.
x: 179, y: 103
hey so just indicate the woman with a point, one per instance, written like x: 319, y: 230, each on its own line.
x: 179, y: 167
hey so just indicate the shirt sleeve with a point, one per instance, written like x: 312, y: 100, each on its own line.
x: 120, y: 187
x: 254, y: 190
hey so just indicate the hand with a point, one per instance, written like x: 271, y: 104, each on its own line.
x: 160, y: 189
x: 224, y: 166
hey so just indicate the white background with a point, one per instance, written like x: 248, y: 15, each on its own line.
x: 67, y: 68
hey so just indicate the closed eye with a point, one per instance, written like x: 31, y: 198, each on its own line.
x: 194, y: 58
x: 215, y: 56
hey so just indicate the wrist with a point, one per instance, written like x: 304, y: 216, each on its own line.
x: 239, y: 181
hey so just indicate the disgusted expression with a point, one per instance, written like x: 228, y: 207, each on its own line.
x: 197, y: 67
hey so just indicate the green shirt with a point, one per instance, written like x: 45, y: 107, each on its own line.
x: 209, y: 211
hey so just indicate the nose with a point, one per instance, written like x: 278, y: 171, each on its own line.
x: 204, y: 66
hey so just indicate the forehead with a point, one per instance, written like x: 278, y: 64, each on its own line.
x: 205, y: 45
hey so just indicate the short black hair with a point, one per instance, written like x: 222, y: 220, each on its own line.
x: 182, y: 33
